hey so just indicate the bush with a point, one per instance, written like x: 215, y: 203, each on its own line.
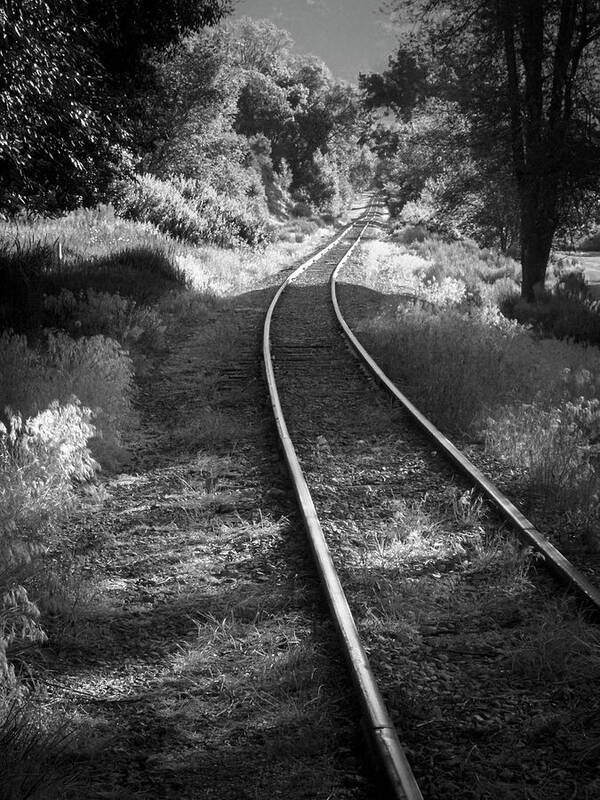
x: 466, y: 261
x: 29, y: 272
x: 189, y: 211
x: 23, y: 269
x: 460, y: 364
x: 92, y: 312
x: 568, y: 312
x: 552, y: 447
x: 138, y: 272
x: 454, y: 365
x: 19, y: 621
x: 39, y: 460
x: 590, y: 242
x: 409, y: 234
x: 302, y: 209
x: 95, y: 370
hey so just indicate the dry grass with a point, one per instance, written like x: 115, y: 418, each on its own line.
x: 264, y: 673
x: 565, y: 647
x: 231, y: 272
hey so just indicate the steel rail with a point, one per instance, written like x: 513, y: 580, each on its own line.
x: 529, y: 534
x: 380, y: 728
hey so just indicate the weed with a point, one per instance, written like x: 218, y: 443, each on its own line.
x: 91, y: 313
x: 467, y: 508
x: 562, y: 647
x: 36, y: 763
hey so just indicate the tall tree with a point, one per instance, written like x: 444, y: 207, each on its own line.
x: 545, y: 45
x: 521, y: 70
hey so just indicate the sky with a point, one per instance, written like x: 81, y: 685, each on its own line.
x: 350, y: 36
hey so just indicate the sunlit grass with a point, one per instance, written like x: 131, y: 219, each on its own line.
x: 439, y: 334
x: 231, y: 272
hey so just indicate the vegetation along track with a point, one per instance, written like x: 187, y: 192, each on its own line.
x: 468, y: 642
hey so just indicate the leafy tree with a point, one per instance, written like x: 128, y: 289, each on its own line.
x: 399, y: 88
x: 256, y: 46
x: 53, y: 139
x: 237, y: 87
x: 263, y: 107
x: 546, y: 45
x: 63, y: 69
x: 522, y: 72
x: 126, y: 30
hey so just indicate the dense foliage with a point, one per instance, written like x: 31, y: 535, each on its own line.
x: 520, y: 80
x: 239, y: 112
x: 63, y: 133
x: 94, y: 94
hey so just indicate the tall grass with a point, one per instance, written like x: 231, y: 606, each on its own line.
x: 534, y: 401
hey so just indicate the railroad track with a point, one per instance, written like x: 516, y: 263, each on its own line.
x: 331, y: 421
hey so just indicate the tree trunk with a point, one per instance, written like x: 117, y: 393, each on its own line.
x: 538, y: 224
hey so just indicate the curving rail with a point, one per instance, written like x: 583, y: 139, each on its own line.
x: 553, y: 558
x: 378, y: 723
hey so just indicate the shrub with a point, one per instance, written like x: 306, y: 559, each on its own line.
x: 29, y: 272
x: 453, y: 364
x: 466, y: 261
x: 138, y: 272
x: 22, y: 273
x: 148, y: 199
x: 302, y: 209
x: 590, y: 242
x: 460, y: 364
x: 19, y: 621
x: 95, y: 370
x: 552, y: 447
x: 568, y: 312
x: 409, y: 234
x: 190, y: 211
x: 39, y: 460
x: 92, y: 312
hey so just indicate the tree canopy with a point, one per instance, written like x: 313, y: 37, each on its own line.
x: 524, y: 75
x: 64, y: 69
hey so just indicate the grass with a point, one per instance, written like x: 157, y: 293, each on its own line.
x: 87, y: 303
x: 563, y: 647
x: 36, y: 760
x: 419, y: 565
x: 266, y: 674
x: 232, y: 272
x: 534, y: 400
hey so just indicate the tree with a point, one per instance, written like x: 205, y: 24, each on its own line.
x: 234, y: 101
x: 521, y: 71
x: 125, y: 31
x: 54, y: 141
x: 64, y: 69
x: 545, y: 44
x: 400, y: 87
